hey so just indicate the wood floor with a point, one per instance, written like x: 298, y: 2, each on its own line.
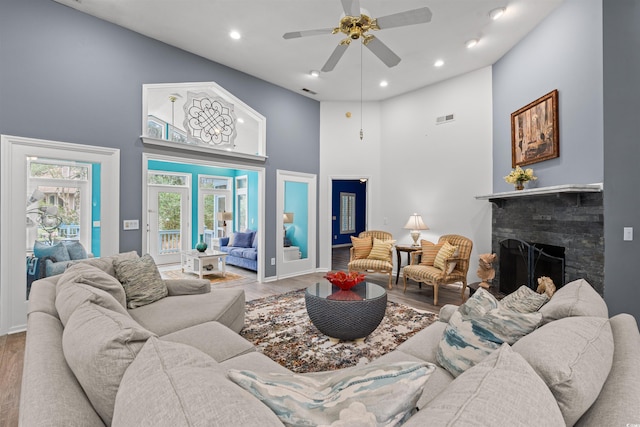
x: 12, y: 346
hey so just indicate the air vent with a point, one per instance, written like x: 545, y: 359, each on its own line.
x: 445, y: 119
x: 304, y: 89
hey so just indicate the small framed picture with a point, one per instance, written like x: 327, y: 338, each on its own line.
x: 534, y: 131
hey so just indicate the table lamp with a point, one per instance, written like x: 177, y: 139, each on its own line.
x: 224, y: 217
x: 415, y: 224
x: 287, y: 218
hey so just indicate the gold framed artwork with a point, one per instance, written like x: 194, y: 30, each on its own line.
x: 534, y: 131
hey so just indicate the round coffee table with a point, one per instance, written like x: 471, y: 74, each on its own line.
x: 346, y: 315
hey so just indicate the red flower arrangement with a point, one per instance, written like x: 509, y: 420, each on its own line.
x: 344, y: 281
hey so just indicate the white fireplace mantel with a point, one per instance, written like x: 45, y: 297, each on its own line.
x: 555, y: 190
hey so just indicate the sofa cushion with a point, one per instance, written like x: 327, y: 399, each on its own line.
x: 106, y: 263
x: 577, y: 298
x: 388, y: 392
x: 71, y: 295
x: 381, y: 250
x: 57, y: 252
x: 75, y: 249
x: 524, y: 300
x: 194, y: 392
x: 94, y: 277
x: 502, y: 390
x: 233, y: 251
x: 250, y: 254
x: 99, y: 345
x: 479, y: 327
x: 361, y: 246
x: 178, y: 312
x: 242, y: 240
x: 573, y: 356
x: 141, y: 280
x: 429, y: 252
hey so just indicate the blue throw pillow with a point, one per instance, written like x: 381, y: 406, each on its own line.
x: 243, y: 240
x: 75, y: 249
x: 58, y: 251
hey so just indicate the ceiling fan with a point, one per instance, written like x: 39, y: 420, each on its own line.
x: 356, y: 25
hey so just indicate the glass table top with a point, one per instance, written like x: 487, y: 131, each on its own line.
x: 361, y: 292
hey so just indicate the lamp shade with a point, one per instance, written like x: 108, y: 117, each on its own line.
x: 415, y: 222
x: 225, y: 216
x: 287, y: 217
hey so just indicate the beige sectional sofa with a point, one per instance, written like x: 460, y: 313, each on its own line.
x: 167, y: 363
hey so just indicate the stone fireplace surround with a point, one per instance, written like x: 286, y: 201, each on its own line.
x: 567, y: 215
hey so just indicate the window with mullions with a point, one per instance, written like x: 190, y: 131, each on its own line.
x: 347, y: 213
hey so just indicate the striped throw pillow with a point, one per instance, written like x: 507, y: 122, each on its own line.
x: 381, y: 250
x: 362, y: 246
x: 429, y: 252
x: 446, y: 251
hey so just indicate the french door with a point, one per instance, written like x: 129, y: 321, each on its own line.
x: 168, y: 223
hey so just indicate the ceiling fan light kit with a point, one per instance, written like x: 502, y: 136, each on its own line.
x: 497, y: 13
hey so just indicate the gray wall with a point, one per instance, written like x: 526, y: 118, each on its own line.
x: 564, y: 52
x: 622, y: 153
x: 67, y: 76
x: 590, y: 51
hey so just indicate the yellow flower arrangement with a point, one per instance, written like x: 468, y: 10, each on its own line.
x: 520, y: 175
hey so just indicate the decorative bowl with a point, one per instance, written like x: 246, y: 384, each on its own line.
x: 344, y: 281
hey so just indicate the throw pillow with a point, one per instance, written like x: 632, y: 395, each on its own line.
x: 381, y: 250
x: 361, y: 246
x: 75, y: 249
x: 389, y: 392
x: 99, y: 345
x: 172, y: 384
x: 446, y: 251
x: 141, y: 280
x: 524, y: 300
x: 479, y: 327
x: 429, y: 252
x: 57, y: 252
x: 577, y: 298
x: 470, y: 400
x: 573, y: 356
x: 242, y: 240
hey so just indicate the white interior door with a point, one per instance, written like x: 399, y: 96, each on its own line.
x: 168, y: 223
x: 296, y: 235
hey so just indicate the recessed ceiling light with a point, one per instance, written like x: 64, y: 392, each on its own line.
x: 240, y: 120
x: 314, y: 73
x: 497, y: 13
x: 471, y: 43
x: 235, y: 35
x: 384, y: 83
x: 438, y: 63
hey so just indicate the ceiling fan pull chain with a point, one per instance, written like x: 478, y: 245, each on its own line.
x: 361, y: 133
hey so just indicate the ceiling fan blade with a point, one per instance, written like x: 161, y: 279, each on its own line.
x: 335, y: 57
x: 381, y: 50
x: 296, y: 34
x: 351, y: 7
x: 410, y: 17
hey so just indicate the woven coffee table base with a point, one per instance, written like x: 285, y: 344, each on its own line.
x: 345, y: 320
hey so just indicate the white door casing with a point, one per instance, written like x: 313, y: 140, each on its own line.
x: 159, y: 255
x: 14, y: 151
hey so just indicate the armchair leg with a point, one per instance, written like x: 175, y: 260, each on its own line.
x: 464, y: 288
x: 435, y: 294
x: 390, y: 280
x: 405, y: 283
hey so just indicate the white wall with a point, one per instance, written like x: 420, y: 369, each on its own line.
x: 415, y: 165
x: 344, y: 156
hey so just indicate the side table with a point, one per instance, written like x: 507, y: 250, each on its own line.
x: 404, y: 248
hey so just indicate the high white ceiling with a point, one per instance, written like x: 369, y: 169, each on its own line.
x: 202, y: 27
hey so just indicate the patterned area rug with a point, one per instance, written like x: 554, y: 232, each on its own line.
x: 280, y: 327
x: 213, y: 278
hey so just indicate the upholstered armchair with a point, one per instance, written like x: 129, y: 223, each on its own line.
x: 440, y: 264
x: 372, y: 252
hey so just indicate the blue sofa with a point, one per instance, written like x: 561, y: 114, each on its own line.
x: 243, y: 250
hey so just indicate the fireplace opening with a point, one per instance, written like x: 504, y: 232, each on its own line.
x: 522, y: 263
